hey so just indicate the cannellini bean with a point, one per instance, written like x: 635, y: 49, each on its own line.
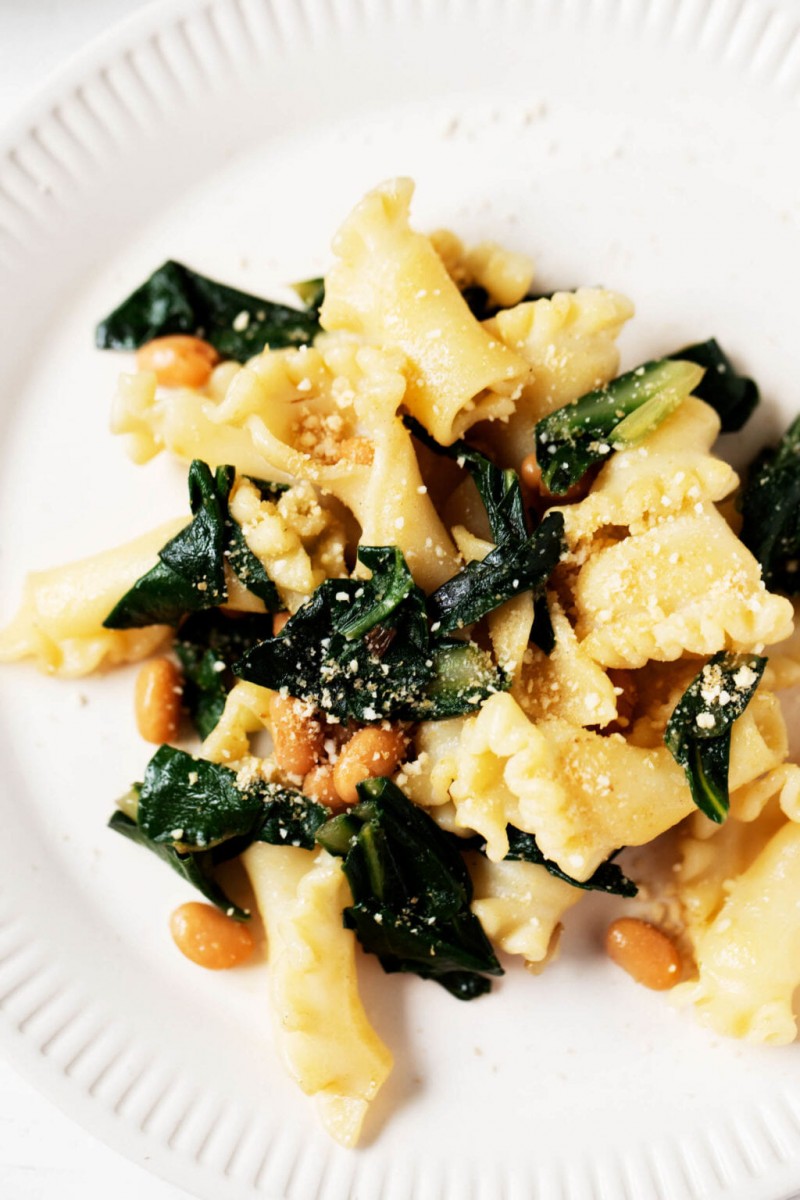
x: 178, y: 361
x: 210, y: 938
x: 298, y: 734
x: 157, y: 700
x: 319, y: 785
x: 369, y: 753
x: 530, y: 472
x: 645, y: 952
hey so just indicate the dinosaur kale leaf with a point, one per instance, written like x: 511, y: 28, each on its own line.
x: 698, y: 734
x: 770, y: 507
x: 193, y: 814
x: 190, y: 574
x: 733, y: 396
x: 411, y: 891
x: 176, y: 299
x: 572, y: 439
x: 515, y: 566
x: 608, y: 877
x: 499, y: 489
x: 194, y: 868
x: 363, y: 650
x: 208, y: 644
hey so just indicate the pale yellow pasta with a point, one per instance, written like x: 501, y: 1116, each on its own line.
x: 504, y: 274
x: 327, y: 1043
x: 567, y: 683
x: 570, y: 343
x: 246, y: 712
x: 520, y: 905
x: 60, y: 618
x: 685, y: 585
x: 389, y: 286
x: 749, y: 957
x: 668, y: 474
x: 297, y: 541
x: 352, y: 391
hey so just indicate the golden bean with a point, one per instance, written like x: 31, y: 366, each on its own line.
x: 178, y: 361
x: 645, y: 952
x: 319, y: 785
x: 530, y: 472
x: 157, y: 700
x: 298, y: 734
x: 210, y: 938
x: 369, y: 753
x: 279, y: 619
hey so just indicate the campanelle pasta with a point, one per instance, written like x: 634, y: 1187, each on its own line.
x: 458, y: 613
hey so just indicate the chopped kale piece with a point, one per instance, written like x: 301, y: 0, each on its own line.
x: 176, y: 299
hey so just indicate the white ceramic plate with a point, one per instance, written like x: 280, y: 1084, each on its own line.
x: 652, y: 147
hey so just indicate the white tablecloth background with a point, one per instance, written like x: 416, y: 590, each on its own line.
x: 43, y: 1155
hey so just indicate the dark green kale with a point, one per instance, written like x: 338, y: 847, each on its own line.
x: 733, y: 396
x: 193, y: 814
x: 362, y: 649
x: 190, y: 574
x: 770, y: 507
x: 499, y: 489
x: 208, y: 644
x: 176, y: 299
x: 194, y: 868
x: 698, y: 734
x: 608, y: 877
x: 515, y: 566
x: 542, y: 633
x: 311, y: 292
x: 515, y: 560
x: 572, y: 439
x: 411, y: 891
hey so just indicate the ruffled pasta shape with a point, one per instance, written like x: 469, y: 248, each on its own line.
x: 748, y: 958
x: 60, y: 619
x: 390, y: 286
x: 327, y: 1043
x: 246, y: 712
x: 685, y: 585
x: 668, y: 474
x: 505, y: 274
x: 298, y: 542
x: 570, y: 343
x: 349, y: 442
x: 520, y: 906
x: 567, y: 683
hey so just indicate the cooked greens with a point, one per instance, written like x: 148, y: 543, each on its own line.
x: 362, y: 649
x: 499, y: 489
x: 516, y: 565
x: 698, y: 734
x: 208, y: 644
x: 770, y: 507
x: 733, y: 396
x: 194, y: 868
x: 176, y: 299
x: 608, y: 877
x: 411, y: 891
x: 500, y: 579
x: 190, y: 574
x: 574, y: 438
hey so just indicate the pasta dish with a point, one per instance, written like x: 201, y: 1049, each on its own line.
x: 456, y: 614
